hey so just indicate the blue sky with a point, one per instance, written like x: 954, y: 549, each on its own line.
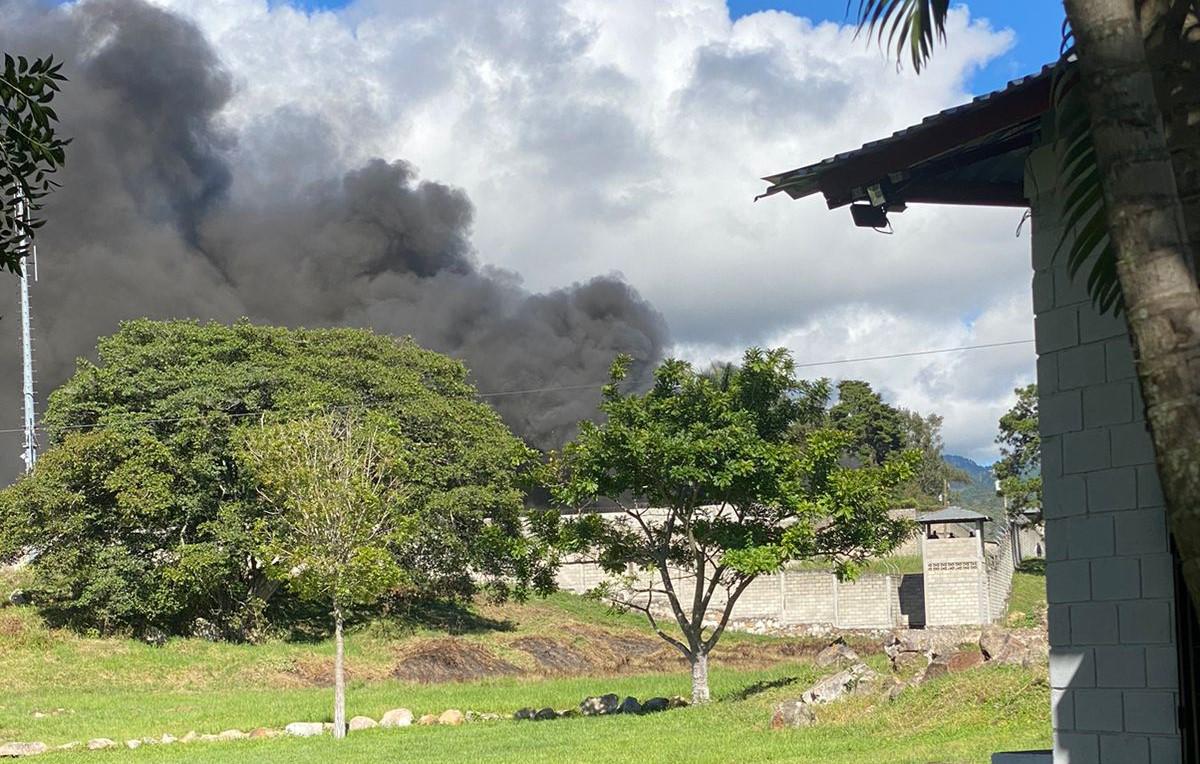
x: 1037, y: 24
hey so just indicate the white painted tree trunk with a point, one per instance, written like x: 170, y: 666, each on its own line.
x: 339, y: 677
x: 700, y: 692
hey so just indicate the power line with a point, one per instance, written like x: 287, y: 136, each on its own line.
x: 913, y: 353
x: 129, y: 416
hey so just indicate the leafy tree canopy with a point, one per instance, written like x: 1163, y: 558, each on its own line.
x: 714, y: 490
x: 30, y: 149
x: 1019, y: 468
x: 876, y: 428
x: 142, y: 515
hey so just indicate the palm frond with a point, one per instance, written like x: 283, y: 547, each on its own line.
x: 1084, y: 238
x: 912, y: 24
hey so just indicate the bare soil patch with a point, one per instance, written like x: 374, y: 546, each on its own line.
x: 555, y: 657
x: 450, y: 660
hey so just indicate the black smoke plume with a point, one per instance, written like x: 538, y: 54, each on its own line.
x: 144, y: 225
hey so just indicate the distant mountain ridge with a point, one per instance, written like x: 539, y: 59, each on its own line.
x: 980, y: 493
x: 977, y: 471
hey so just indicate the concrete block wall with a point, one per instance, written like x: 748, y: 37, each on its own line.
x: 955, y: 582
x: 866, y: 603
x: 791, y: 597
x: 1113, y: 665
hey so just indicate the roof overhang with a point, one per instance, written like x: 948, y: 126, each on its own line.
x: 971, y: 154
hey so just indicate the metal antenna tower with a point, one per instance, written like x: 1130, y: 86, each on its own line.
x: 29, y: 450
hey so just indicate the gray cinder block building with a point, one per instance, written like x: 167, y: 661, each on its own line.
x: 1122, y: 628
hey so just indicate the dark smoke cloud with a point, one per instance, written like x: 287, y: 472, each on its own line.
x: 144, y: 225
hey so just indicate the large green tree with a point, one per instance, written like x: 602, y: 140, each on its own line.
x: 1127, y: 99
x: 876, y: 427
x: 30, y: 149
x: 141, y: 515
x: 1019, y: 468
x: 712, y: 490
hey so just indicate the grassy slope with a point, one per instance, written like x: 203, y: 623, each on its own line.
x: 1028, y: 600
x: 122, y: 689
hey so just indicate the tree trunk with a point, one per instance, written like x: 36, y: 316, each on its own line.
x: 1146, y: 224
x: 339, y: 676
x: 700, y: 692
x: 1172, y: 33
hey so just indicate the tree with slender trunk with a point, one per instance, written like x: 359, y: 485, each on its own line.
x: 335, y: 497
x: 1132, y: 176
x: 712, y: 490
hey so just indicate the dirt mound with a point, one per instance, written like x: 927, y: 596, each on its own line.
x: 555, y: 657
x: 450, y: 660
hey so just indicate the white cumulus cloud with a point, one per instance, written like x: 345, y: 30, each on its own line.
x: 598, y: 136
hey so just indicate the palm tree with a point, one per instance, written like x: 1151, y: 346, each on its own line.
x: 1130, y: 162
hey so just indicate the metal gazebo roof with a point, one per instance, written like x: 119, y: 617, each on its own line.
x: 952, y: 515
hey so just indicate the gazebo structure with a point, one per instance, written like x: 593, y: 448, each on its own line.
x: 956, y: 581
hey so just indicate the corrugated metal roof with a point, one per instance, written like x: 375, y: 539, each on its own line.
x: 952, y: 515
x: 804, y: 181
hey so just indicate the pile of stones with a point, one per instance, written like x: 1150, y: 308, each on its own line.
x: 603, y: 705
x: 914, y: 659
x: 397, y: 717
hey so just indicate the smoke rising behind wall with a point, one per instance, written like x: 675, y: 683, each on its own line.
x: 144, y: 225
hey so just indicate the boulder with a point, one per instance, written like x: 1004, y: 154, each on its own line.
x: 427, y: 720
x: 154, y: 637
x: 17, y: 750
x: 100, y: 743
x: 600, y: 705
x: 397, y: 717
x: 19, y: 597
x: 629, y: 706
x: 260, y: 733
x: 838, y: 652
x: 167, y: 738
x: 133, y: 744
x: 451, y: 717
x: 791, y: 714
x: 964, y: 660
x: 305, y: 729
x: 895, y: 688
x: 1013, y: 648
x: 524, y: 714
x: 906, y: 662
x: 232, y: 735
x: 362, y: 723
x: 678, y: 701
x: 202, y: 628
x: 190, y: 737
x: 848, y: 681
x: 901, y: 642
x: 934, y: 670
x: 209, y: 738
x: 545, y: 715
x: 569, y: 713
x: 654, y: 705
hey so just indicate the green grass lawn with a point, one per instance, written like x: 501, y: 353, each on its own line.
x: 60, y: 687
x: 1027, y: 604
